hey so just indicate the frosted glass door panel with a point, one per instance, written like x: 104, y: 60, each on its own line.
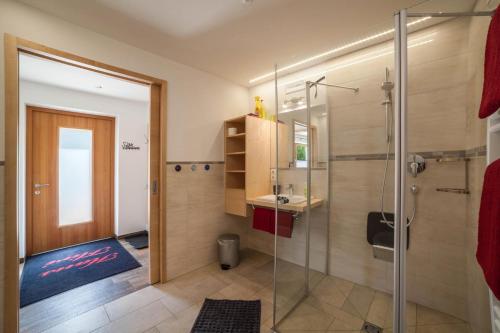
x: 75, y: 176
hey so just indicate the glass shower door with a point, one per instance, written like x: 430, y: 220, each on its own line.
x: 302, y: 175
x: 290, y: 166
x: 442, y: 165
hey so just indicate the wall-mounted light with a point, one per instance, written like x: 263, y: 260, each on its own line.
x: 335, y: 50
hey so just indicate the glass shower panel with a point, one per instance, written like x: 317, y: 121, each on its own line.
x: 303, y: 144
x: 291, y: 137
x: 348, y: 144
x: 446, y: 139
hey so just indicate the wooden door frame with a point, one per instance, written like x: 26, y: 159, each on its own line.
x: 157, y: 163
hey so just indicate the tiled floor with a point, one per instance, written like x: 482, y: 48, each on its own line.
x: 335, y: 305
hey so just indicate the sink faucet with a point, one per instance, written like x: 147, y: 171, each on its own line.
x: 289, y: 188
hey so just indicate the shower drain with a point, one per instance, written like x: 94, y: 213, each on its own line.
x: 370, y: 328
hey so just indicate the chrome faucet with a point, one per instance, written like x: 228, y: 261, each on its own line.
x: 289, y: 188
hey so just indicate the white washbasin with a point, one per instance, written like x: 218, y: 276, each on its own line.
x: 294, y: 199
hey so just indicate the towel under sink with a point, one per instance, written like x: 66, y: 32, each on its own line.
x: 294, y: 199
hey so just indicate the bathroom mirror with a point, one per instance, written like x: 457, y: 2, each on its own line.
x: 298, y: 138
x: 293, y: 113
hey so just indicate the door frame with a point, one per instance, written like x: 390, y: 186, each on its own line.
x: 28, y: 239
x: 157, y: 163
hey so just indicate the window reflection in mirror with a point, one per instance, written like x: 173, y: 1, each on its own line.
x: 300, y: 144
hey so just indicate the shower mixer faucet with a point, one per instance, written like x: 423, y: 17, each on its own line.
x: 416, y: 165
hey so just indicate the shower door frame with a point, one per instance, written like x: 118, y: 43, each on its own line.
x: 400, y: 155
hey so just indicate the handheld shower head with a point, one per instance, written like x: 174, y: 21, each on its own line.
x: 387, y: 87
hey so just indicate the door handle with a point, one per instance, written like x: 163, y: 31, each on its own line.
x: 155, y: 187
x: 40, y: 185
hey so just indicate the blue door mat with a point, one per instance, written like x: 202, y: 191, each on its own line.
x: 51, y: 273
x: 138, y: 240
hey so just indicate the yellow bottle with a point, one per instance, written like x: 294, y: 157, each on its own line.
x: 259, y: 107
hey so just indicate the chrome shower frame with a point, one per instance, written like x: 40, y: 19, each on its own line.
x: 400, y: 160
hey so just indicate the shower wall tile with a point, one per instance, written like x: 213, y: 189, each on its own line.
x: 436, y: 257
x: 438, y: 85
x: 436, y: 119
x: 355, y: 189
x: 195, y: 218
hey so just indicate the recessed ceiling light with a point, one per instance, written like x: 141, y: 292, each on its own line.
x: 99, y: 86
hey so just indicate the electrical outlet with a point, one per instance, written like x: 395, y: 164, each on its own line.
x: 273, y: 175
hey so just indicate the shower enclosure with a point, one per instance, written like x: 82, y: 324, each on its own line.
x: 419, y: 273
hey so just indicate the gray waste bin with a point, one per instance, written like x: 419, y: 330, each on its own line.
x: 229, y: 250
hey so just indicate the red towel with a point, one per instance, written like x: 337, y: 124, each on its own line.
x: 488, y: 247
x: 285, y: 224
x: 263, y: 219
x: 491, y: 88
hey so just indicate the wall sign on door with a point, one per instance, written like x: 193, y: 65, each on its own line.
x: 129, y: 146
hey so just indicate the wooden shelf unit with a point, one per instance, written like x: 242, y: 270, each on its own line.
x: 248, y: 160
x: 234, y: 166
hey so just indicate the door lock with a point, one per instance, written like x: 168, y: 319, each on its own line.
x: 38, y: 187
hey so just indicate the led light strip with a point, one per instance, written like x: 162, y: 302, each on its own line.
x: 367, y: 57
x: 336, y: 50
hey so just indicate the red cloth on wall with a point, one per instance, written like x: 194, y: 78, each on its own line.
x: 488, y: 247
x: 490, y: 101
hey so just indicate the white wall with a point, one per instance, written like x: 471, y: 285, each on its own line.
x: 197, y: 101
x: 131, y: 171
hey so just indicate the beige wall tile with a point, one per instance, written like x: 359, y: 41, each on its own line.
x: 195, y: 218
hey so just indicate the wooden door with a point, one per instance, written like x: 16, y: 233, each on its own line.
x: 69, y: 179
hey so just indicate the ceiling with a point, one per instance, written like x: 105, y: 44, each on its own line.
x: 36, y: 69
x: 234, y: 39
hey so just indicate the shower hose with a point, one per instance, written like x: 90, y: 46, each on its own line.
x: 388, y: 130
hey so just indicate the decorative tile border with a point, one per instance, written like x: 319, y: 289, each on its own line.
x: 476, y: 152
x: 473, y: 152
